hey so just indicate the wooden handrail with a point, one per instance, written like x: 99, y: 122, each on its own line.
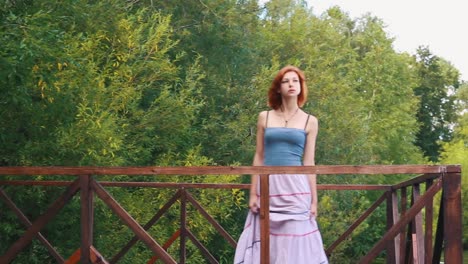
x: 233, y: 170
x: 446, y: 177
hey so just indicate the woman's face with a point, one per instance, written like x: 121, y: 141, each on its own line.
x: 290, y: 84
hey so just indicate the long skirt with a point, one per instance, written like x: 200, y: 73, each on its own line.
x: 294, y: 234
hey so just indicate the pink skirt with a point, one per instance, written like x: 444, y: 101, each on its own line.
x: 294, y: 235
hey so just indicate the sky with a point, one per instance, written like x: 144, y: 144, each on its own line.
x: 439, y: 25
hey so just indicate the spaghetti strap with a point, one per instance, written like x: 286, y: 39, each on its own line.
x: 266, y: 121
x: 307, y: 122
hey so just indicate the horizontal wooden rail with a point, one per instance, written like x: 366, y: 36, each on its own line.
x: 352, y: 187
x: 233, y: 170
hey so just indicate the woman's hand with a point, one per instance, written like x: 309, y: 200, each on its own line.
x: 253, y: 203
x: 313, y: 210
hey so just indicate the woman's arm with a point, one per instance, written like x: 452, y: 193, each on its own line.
x: 257, y: 161
x: 309, y: 160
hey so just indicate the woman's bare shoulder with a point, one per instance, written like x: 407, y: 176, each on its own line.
x: 313, y: 118
x: 262, y: 117
x: 312, y: 124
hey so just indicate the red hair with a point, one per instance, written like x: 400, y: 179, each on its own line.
x: 274, y: 98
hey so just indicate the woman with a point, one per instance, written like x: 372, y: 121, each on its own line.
x: 285, y: 137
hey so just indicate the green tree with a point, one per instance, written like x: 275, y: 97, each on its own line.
x: 225, y: 36
x: 438, y: 82
x: 385, y: 84
x: 86, y: 94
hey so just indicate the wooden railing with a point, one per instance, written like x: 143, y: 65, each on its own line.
x: 409, y: 237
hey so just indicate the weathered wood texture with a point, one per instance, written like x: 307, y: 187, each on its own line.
x: 453, y: 218
x: 233, y: 170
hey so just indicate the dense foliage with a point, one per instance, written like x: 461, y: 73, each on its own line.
x: 177, y: 83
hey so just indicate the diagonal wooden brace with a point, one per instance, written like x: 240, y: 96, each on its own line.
x: 131, y: 223
x: 40, y: 222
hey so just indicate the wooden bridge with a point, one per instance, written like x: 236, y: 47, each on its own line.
x: 409, y: 238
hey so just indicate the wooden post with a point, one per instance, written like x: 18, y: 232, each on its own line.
x: 439, y: 235
x: 86, y: 197
x: 417, y: 231
x: 453, y: 252
x: 428, y: 226
x: 392, y: 218
x: 264, y: 219
x: 183, y: 226
x: 404, y: 203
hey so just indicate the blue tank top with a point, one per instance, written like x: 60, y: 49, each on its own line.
x: 283, y: 146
